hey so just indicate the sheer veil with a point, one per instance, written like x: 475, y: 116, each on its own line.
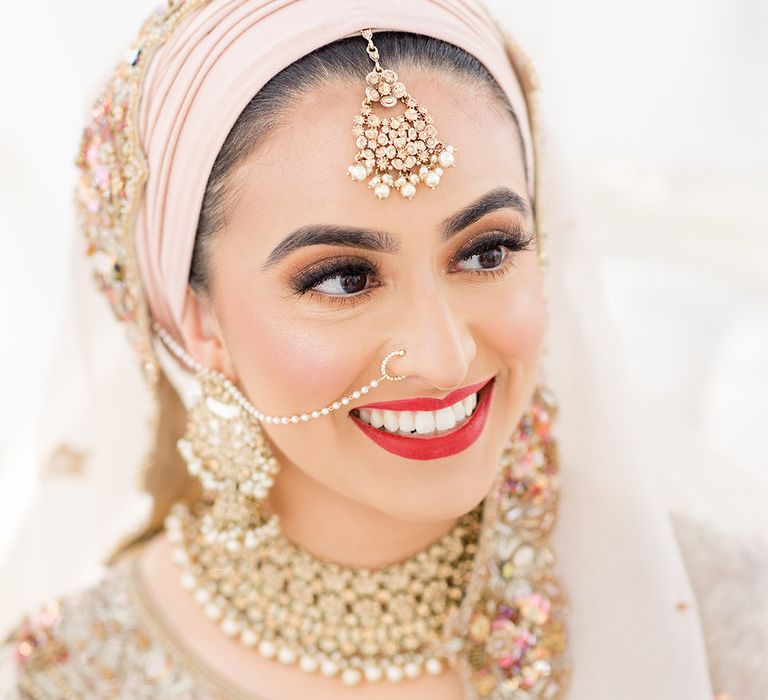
x: 633, y: 624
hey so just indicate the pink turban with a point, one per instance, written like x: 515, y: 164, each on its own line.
x: 211, y: 67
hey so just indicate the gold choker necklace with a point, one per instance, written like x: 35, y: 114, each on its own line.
x: 358, y: 623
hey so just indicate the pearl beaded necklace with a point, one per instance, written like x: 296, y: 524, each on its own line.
x: 247, y: 406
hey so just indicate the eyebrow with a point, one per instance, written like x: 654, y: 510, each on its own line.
x: 384, y: 242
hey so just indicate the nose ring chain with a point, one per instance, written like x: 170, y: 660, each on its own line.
x: 248, y: 407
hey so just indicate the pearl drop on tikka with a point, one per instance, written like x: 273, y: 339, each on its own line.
x: 357, y: 172
x: 381, y: 191
x: 432, y: 180
x: 248, y: 407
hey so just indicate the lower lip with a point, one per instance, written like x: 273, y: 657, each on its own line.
x: 445, y: 445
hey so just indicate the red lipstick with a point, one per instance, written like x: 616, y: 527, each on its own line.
x: 437, y: 446
x: 427, y: 404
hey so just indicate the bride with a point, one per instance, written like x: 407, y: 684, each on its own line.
x: 388, y: 456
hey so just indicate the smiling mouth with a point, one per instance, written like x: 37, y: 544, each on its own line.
x: 422, y: 424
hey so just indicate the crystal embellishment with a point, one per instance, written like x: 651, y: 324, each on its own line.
x: 399, y: 151
x: 113, y: 170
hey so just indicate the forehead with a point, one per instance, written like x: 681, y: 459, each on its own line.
x: 298, y: 176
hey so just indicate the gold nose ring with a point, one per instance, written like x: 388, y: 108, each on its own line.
x: 384, y: 374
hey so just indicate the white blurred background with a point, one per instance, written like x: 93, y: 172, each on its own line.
x: 663, y: 111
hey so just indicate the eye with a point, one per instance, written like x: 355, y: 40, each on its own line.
x: 337, y: 281
x: 492, y: 253
x: 343, y: 284
x: 488, y: 259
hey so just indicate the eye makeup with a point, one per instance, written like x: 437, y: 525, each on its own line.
x: 510, y: 238
x: 348, y: 267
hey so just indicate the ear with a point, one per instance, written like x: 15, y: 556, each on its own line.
x: 202, y: 335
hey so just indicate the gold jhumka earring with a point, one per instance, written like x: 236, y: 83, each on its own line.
x: 400, y: 151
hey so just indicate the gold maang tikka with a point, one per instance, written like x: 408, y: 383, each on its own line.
x: 398, y: 151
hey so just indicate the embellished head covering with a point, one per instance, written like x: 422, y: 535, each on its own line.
x: 146, y: 157
x: 193, y: 81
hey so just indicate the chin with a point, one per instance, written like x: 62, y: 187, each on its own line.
x: 439, y: 494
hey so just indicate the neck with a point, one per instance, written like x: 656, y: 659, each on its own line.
x: 340, y: 529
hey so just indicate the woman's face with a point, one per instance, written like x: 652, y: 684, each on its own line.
x: 311, y: 324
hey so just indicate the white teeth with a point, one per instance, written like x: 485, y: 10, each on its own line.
x: 425, y: 422
x: 444, y: 419
x: 391, y: 421
x: 420, y: 422
x: 407, y: 423
x: 377, y: 420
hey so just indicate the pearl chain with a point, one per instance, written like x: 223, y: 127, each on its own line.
x: 247, y: 406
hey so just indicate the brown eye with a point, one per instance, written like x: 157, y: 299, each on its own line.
x: 352, y: 283
x: 491, y: 258
x: 485, y: 260
x: 337, y: 278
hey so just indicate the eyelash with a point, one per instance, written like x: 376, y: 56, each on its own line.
x: 512, y: 238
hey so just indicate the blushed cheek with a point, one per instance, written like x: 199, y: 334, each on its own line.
x: 518, y: 333
x: 289, y: 365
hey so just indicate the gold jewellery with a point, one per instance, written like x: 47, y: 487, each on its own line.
x: 355, y: 623
x: 246, y: 405
x: 501, y: 621
x: 432, y: 610
x: 399, y: 151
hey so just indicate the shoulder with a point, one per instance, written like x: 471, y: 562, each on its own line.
x: 91, y: 644
x: 729, y: 576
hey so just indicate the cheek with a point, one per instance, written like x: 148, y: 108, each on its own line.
x: 280, y: 362
x: 286, y: 364
x: 516, y: 332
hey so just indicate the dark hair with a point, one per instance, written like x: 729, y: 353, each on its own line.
x: 344, y: 58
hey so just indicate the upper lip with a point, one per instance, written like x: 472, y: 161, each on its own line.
x: 428, y: 404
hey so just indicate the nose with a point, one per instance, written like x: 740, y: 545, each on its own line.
x: 439, y: 347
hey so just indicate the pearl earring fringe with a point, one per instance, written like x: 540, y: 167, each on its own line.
x: 247, y: 406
